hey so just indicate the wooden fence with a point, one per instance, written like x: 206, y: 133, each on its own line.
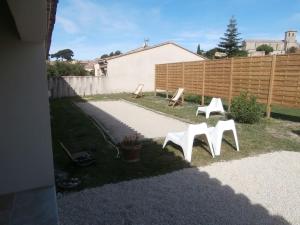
x: 74, y: 85
x: 273, y: 79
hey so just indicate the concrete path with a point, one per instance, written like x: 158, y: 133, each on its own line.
x: 121, y: 119
x: 262, y: 190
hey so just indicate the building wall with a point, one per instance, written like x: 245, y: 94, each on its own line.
x: 125, y: 73
x: 25, y: 146
x: 251, y: 46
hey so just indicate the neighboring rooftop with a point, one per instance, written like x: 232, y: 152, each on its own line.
x: 140, y: 49
x: 51, y: 13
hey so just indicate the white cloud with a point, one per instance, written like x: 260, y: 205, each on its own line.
x: 91, y: 17
x: 68, y: 25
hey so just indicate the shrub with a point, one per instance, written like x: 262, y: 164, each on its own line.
x: 266, y: 48
x: 196, y: 99
x: 65, y: 69
x: 245, y: 109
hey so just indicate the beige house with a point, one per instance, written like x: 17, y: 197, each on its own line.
x: 124, y: 72
x: 27, y: 190
x: 279, y: 46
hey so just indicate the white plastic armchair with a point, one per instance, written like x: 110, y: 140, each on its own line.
x: 186, y: 139
x: 214, y: 106
x: 216, y: 134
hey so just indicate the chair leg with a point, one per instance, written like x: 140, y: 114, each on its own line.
x: 210, y: 145
x: 236, y: 139
x: 207, y: 114
x: 217, y: 144
x: 165, y: 142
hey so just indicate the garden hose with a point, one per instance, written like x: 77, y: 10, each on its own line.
x: 100, y: 128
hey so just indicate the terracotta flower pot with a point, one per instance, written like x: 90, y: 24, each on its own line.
x: 131, y: 153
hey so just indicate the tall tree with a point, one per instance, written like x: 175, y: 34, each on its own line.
x: 65, y: 54
x: 199, y: 52
x: 230, y: 43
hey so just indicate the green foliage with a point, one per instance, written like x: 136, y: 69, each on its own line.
x: 266, y: 48
x: 192, y: 98
x: 65, y: 69
x: 65, y: 54
x: 230, y: 43
x: 292, y: 50
x: 241, y: 53
x: 111, y: 54
x: 210, y: 54
x: 104, y: 56
x: 199, y: 51
x: 245, y: 109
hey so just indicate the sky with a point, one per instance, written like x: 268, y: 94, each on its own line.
x: 95, y: 27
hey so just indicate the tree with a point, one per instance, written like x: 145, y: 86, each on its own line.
x: 104, y: 56
x: 66, y: 54
x: 118, y: 52
x: 292, y: 50
x: 111, y: 54
x: 266, y: 48
x: 211, y: 53
x: 199, y: 51
x: 56, y: 69
x: 230, y: 43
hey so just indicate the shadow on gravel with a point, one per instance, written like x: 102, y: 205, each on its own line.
x: 184, y: 197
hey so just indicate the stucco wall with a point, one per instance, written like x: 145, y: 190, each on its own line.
x: 25, y: 139
x: 125, y: 73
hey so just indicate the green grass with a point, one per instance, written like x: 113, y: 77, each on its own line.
x: 78, y: 133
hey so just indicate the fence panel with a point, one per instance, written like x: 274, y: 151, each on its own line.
x: 286, y: 86
x: 272, y: 79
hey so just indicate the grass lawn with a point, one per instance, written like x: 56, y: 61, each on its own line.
x: 78, y: 133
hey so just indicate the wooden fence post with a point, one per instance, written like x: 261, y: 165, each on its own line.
x: 167, y: 83
x: 230, y: 84
x: 155, y: 79
x: 182, y: 71
x: 271, y: 86
x: 203, y: 84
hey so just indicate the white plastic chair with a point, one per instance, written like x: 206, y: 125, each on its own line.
x: 186, y: 139
x: 216, y: 134
x: 214, y: 106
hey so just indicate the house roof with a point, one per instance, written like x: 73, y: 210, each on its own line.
x: 151, y: 47
x: 51, y: 14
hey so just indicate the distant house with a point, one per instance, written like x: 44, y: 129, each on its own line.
x: 124, y: 72
x: 87, y: 64
x: 279, y: 46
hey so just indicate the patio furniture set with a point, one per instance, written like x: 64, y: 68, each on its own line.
x: 214, y: 135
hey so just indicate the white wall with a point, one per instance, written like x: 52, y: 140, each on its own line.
x: 125, y: 73
x: 25, y: 138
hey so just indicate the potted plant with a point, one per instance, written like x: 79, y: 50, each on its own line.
x: 130, y: 148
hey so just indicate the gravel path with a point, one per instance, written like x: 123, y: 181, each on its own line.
x: 121, y: 119
x: 262, y: 190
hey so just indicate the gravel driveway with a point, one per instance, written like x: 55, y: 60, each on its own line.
x: 120, y: 119
x: 262, y: 190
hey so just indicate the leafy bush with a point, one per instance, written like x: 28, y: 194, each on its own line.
x: 266, y: 48
x: 245, y: 109
x: 65, y: 69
